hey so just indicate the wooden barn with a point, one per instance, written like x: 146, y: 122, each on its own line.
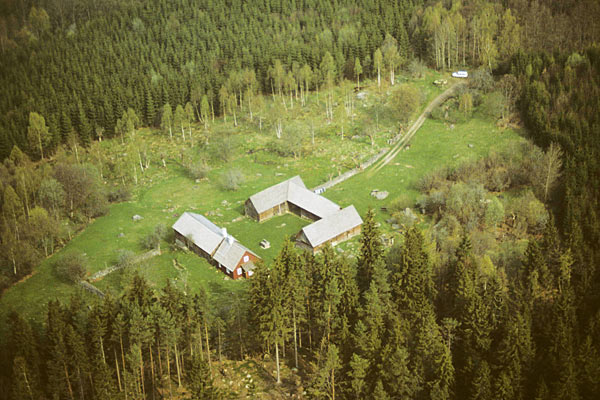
x: 213, y: 243
x: 289, y: 196
x: 332, y: 229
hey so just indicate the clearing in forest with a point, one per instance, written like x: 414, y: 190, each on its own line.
x: 311, y: 146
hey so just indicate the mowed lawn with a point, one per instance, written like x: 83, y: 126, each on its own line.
x: 172, y: 192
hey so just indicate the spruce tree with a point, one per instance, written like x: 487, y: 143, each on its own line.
x: 412, y: 282
x: 371, y: 251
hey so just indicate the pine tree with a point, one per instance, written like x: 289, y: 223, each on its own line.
x: 179, y: 119
x: 296, y: 282
x: 323, y: 383
x: 482, y: 383
x: 358, y: 373
x: 200, y: 381
x: 60, y: 376
x: 149, y: 106
x: 357, y: 71
x: 24, y: 385
x: 205, y: 111
x: 270, y: 298
x: 379, y: 392
x: 562, y: 353
x: 589, y: 368
x: 77, y: 359
x: 166, y: 121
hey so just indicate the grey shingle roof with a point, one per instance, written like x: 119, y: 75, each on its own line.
x: 213, y: 240
x: 294, y: 191
x: 203, y: 233
x: 230, y: 253
x: 311, y: 202
x: 274, y: 195
x: 331, y: 226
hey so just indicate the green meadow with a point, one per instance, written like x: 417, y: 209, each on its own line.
x: 165, y: 193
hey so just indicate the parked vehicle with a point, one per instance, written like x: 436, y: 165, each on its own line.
x: 460, y: 74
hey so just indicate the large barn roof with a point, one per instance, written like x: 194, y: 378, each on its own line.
x: 311, y: 202
x: 274, y: 195
x: 331, y: 226
x: 230, y: 253
x: 200, y: 230
x: 294, y: 191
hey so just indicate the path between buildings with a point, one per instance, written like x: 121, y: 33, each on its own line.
x: 415, y: 127
x: 386, y: 155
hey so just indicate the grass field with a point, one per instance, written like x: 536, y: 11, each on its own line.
x: 167, y: 193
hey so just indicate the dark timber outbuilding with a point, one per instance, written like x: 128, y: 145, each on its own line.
x: 289, y: 196
x: 332, y: 225
x: 332, y: 229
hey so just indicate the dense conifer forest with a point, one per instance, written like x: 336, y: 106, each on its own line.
x: 430, y: 317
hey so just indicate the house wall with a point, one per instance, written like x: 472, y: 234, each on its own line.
x: 222, y: 268
x: 251, y: 258
x: 304, y: 246
x: 294, y: 209
x: 279, y: 209
x: 192, y: 246
x: 308, y: 215
x: 342, y: 237
x: 302, y: 213
x: 234, y: 274
x: 250, y: 211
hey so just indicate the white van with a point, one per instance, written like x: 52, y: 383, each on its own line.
x: 460, y: 74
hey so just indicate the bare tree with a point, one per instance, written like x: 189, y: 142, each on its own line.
x: 552, y: 165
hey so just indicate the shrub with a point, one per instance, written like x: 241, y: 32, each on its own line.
x: 493, y: 105
x: 400, y: 203
x: 406, y: 100
x: 122, y: 193
x: 224, y: 148
x: 432, y: 203
x: 125, y: 258
x: 482, y: 241
x: 465, y: 103
x: 498, y: 179
x: 152, y: 240
x: 438, y: 113
x: 406, y: 218
x: 431, y: 180
x: 494, y: 213
x: 416, y: 68
x: 198, y: 170
x: 530, y: 211
x: 467, y: 203
x: 4, y: 282
x: 72, y: 267
x: 231, y: 179
x: 481, y: 79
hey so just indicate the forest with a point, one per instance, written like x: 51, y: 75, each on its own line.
x: 431, y: 317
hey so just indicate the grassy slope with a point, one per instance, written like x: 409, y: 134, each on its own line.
x: 167, y: 194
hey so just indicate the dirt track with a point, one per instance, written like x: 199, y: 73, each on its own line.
x: 414, y: 128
